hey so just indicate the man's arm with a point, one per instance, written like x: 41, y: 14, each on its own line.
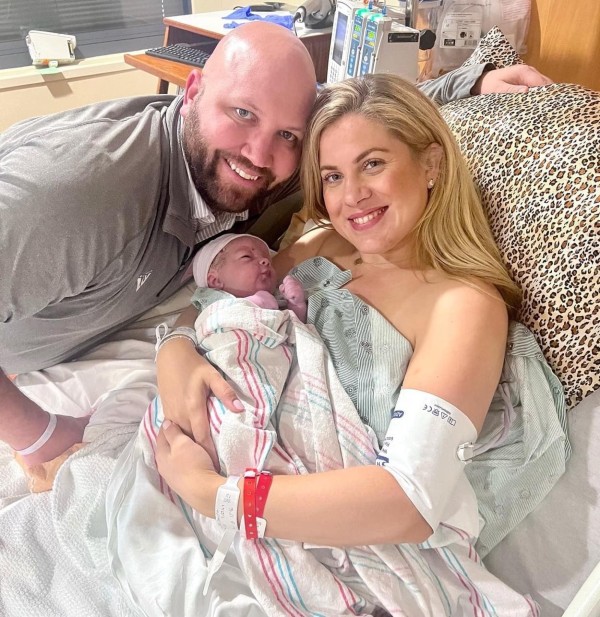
x: 454, y: 85
x: 482, y: 79
x: 511, y: 79
x: 23, y: 422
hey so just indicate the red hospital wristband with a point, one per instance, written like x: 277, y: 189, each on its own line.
x: 250, y: 504
x: 262, y: 491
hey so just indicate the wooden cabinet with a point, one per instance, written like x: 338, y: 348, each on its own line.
x: 564, y: 40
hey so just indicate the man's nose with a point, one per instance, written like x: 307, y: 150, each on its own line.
x: 259, y: 149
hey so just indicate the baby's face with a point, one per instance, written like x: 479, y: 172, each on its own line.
x: 246, y: 268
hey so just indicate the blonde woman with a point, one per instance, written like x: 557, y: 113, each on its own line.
x: 409, y: 293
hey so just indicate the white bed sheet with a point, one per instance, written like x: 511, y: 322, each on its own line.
x: 53, y: 560
x: 53, y: 557
x: 553, y: 551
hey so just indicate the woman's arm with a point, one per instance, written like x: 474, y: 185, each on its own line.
x: 346, y: 507
x: 459, y: 346
x: 185, y: 380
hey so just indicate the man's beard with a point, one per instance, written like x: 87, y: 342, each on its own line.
x: 203, y: 169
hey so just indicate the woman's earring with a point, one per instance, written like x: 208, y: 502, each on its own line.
x: 430, y: 183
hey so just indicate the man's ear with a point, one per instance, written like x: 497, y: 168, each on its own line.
x: 192, y: 89
x: 213, y: 280
x: 432, y: 158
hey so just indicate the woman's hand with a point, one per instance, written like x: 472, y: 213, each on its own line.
x: 185, y: 381
x: 187, y: 468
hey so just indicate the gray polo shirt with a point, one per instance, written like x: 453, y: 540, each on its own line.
x: 95, y: 225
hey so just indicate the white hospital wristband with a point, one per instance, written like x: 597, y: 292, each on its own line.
x: 226, y: 504
x: 163, y: 334
x: 45, y: 436
x: 219, y: 557
x: 226, y: 509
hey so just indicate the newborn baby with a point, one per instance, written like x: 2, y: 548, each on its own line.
x: 240, y: 264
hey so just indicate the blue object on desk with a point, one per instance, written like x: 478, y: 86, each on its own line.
x: 287, y: 21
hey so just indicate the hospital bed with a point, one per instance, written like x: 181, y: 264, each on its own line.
x: 52, y: 544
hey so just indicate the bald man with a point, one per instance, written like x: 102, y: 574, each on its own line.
x: 103, y: 206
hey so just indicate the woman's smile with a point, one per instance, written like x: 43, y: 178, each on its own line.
x: 367, y: 219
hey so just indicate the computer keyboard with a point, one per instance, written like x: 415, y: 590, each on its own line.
x: 181, y: 52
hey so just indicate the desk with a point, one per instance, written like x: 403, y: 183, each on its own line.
x: 209, y: 26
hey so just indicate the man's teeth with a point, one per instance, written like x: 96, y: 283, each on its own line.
x: 361, y: 220
x: 241, y: 172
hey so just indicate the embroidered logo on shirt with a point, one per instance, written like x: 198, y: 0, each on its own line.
x: 142, y: 278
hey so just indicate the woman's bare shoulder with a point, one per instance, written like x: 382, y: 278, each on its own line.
x: 467, y: 299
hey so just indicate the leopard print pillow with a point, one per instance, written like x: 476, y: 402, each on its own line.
x: 496, y: 49
x: 536, y: 159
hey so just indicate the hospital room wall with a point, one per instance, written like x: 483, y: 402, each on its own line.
x: 27, y: 92
x: 563, y: 40
x: 562, y: 43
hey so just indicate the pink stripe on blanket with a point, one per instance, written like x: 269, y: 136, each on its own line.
x: 473, y: 595
x: 465, y: 581
x: 214, y: 416
x: 249, y: 375
x: 463, y: 535
x: 286, y: 457
x: 347, y: 595
x: 274, y: 580
x: 358, y: 436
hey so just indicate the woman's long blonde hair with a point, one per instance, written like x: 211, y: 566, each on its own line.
x: 453, y: 235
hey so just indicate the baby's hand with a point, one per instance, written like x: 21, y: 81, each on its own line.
x: 292, y: 291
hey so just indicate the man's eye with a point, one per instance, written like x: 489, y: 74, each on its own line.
x: 242, y: 113
x: 289, y: 136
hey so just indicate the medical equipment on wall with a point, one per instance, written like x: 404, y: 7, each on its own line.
x: 50, y: 49
x: 389, y: 47
x: 422, y: 15
x: 462, y: 23
x: 339, y: 49
x: 316, y: 14
x: 367, y: 40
